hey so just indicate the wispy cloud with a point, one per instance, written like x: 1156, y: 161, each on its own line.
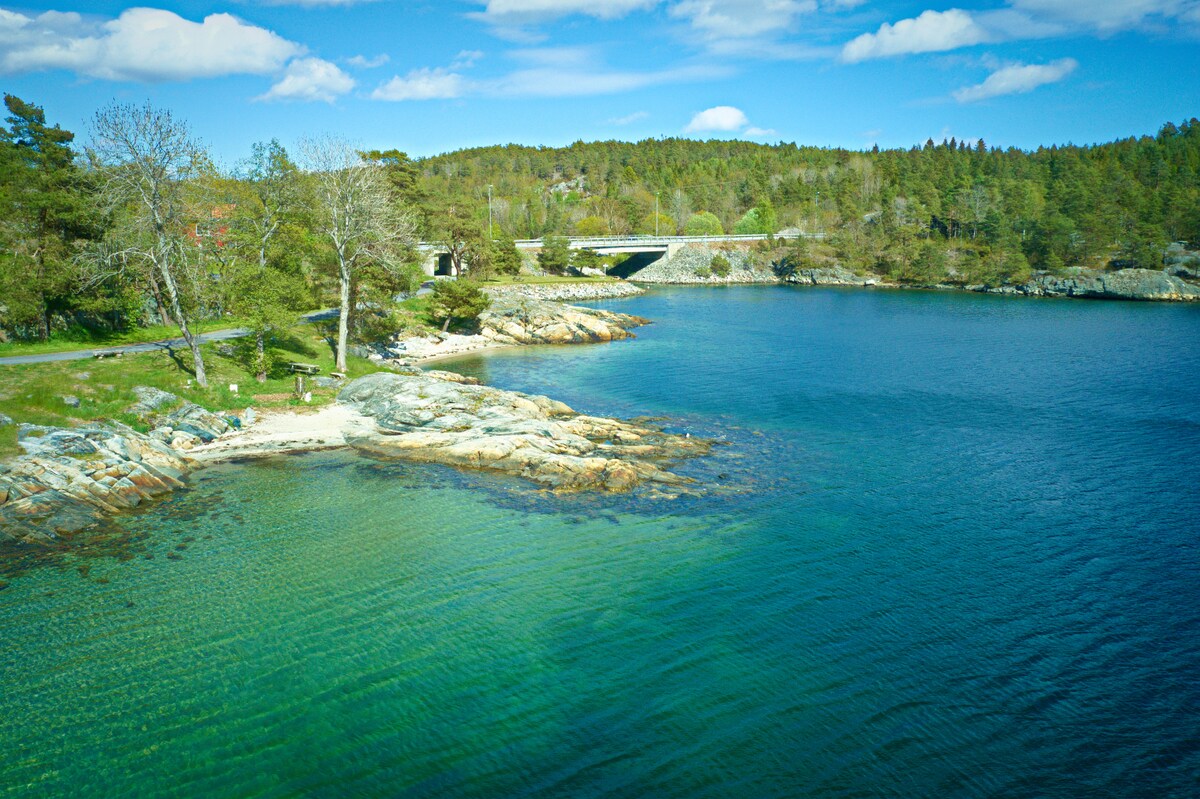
x: 636, y: 116
x: 536, y: 12
x: 542, y: 72
x: 939, y: 31
x: 1017, y: 79
x: 362, y: 62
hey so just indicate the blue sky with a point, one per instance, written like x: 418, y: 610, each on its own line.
x: 430, y: 77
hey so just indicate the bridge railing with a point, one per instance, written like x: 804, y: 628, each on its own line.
x: 581, y: 242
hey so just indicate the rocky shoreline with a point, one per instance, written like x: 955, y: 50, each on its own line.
x: 72, y: 478
x: 514, y: 319
x: 1123, y: 284
x: 1174, y: 283
x: 565, y: 292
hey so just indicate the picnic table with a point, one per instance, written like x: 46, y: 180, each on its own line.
x: 304, y: 368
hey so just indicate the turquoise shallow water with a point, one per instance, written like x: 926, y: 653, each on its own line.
x: 955, y: 555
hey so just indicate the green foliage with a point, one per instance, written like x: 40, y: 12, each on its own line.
x: 555, y: 255
x: 47, y: 209
x: 720, y: 266
x: 758, y: 220
x: 647, y: 227
x: 1143, y: 248
x: 458, y: 299
x: 506, y: 258
x: 703, y: 224
x: 703, y: 272
x: 592, y: 226
x: 586, y: 259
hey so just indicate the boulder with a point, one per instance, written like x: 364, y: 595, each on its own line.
x: 197, y: 421
x: 152, y: 400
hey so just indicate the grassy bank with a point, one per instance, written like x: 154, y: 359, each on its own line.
x: 80, y: 339
x: 34, y: 393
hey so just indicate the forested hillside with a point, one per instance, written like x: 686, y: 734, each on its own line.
x: 883, y: 208
x: 139, y: 227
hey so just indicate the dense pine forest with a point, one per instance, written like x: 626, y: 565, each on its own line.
x: 138, y: 226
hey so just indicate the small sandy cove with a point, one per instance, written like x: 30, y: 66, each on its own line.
x: 286, y: 431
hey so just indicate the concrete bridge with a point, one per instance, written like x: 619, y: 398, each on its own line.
x: 437, y: 260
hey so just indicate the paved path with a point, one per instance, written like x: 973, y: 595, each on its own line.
x: 150, y: 346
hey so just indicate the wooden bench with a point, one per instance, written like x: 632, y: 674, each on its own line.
x: 304, y: 368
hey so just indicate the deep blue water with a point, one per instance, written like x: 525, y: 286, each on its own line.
x: 950, y: 550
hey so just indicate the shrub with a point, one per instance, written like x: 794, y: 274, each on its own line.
x: 703, y: 224
x: 458, y: 299
x: 720, y: 266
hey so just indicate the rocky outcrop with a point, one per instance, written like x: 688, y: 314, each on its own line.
x: 693, y: 264
x: 70, y: 478
x: 527, y: 321
x: 519, y: 320
x: 565, y: 292
x: 830, y: 276
x: 1182, y: 262
x: 423, y: 418
x: 1123, y: 284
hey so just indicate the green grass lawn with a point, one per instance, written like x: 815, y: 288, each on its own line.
x: 34, y: 393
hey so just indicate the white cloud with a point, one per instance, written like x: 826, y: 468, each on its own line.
x: 932, y: 31
x: 723, y: 118
x: 142, y: 44
x: 532, y: 12
x: 362, y: 62
x: 1017, y: 79
x: 636, y: 116
x: 758, y: 133
x: 311, y: 79
x: 725, y: 19
x: 422, y: 84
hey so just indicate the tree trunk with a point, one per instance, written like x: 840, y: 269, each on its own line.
x: 446, y: 326
x: 163, y: 318
x: 177, y: 310
x: 344, y: 314
x: 260, y: 356
x: 352, y: 316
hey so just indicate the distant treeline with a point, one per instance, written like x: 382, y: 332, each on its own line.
x: 141, y: 227
x: 885, y: 210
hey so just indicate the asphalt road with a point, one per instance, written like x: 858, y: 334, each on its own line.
x: 151, y: 346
